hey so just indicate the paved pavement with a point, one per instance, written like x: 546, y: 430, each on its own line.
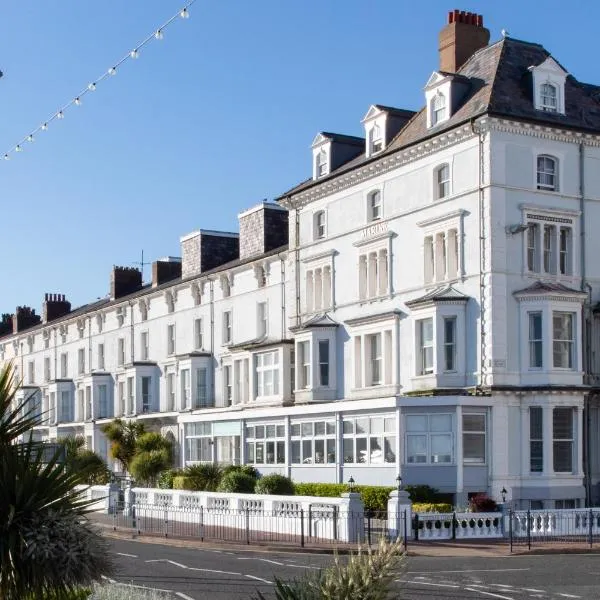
x: 194, y: 573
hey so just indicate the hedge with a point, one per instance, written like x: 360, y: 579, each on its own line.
x: 374, y: 497
x: 430, y: 507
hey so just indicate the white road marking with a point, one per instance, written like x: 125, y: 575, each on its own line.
x: 445, y: 585
x: 259, y: 579
x: 125, y: 554
x: 108, y: 579
x: 192, y: 568
x: 490, y: 594
x: 184, y: 596
x: 302, y: 567
x: 533, y: 590
x: 502, y: 585
x: 273, y: 562
x: 470, y: 571
x: 568, y: 595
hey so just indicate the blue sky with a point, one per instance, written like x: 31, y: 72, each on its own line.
x: 214, y: 118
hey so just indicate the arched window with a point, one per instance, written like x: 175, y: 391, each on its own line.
x: 376, y: 139
x: 438, y: 109
x: 374, y: 207
x: 442, y: 181
x: 547, y: 173
x: 548, y: 97
x: 321, y: 164
x: 319, y: 225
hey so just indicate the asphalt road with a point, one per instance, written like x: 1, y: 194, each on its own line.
x: 207, y: 574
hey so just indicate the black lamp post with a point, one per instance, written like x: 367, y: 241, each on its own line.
x: 351, y: 483
x: 503, y: 492
x: 399, y: 482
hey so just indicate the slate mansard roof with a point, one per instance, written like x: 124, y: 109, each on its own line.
x: 500, y: 85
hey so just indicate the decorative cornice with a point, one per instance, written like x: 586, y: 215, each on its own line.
x: 321, y: 256
x: 384, y: 164
x: 459, y: 213
x: 368, y: 319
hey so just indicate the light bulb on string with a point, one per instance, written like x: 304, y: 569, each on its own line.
x: 112, y: 71
x: 92, y: 87
x: 30, y: 138
x: 134, y: 54
x: 60, y: 114
x: 18, y: 148
x: 184, y: 14
x: 78, y: 101
x: 44, y: 127
x: 159, y: 35
x: 6, y: 157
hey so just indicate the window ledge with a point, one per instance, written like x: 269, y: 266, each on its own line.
x: 375, y: 391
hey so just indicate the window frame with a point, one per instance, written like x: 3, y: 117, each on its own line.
x: 361, y: 442
x: 260, y: 370
x: 256, y: 435
x: 542, y: 161
x: 538, y: 341
x: 321, y: 163
x: 560, y: 440
x: 227, y: 321
x: 319, y: 225
x: 569, y: 343
x: 536, y: 437
x: 376, y: 144
x: 438, y: 108
x: 553, y: 105
x: 198, y: 334
x: 443, y: 181
x: 472, y: 433
x: 452, y: 345
x: 429, y: 433
x: 374, y: 206
x: 422, y: 347
x: 262, y: 319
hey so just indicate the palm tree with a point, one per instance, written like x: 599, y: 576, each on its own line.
x: 153, y: 454
x: 123, y: 436
x: 47, y: 546
x: 87, y: 464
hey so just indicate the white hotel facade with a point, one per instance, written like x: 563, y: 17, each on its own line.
x: 423, y: 305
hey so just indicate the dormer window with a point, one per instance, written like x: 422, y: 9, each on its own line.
x: 321, y: 164
x: 438, y: 109
x: 319, y: 225
x: 548, y: 97
x: 374, y: 206
x: 549, y: 86
x: 376, y: 139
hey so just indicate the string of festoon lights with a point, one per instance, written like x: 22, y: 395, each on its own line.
x: 157, y: 34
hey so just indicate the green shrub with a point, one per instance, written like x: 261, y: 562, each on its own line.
x: 237, y: 482
x: 321, y: 490
x: 423, y: 493
x: 165, y: 479
x: 246, y: 469
x: 206, y: 476
x: 275, y: 484
x: 374, y: 498
x: 429, y: 507
x: 183, y: 482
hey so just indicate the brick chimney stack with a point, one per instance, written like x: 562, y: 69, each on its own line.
x: 460, y: 39
x: 54, y: 307
x: 124, y: 281
x: 6, y: 324
x: 24, y: 318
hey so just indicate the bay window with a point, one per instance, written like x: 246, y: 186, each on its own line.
x: 535, y: 340
x: 303, y: 365
x: 425, y: 346
x: 449, y: 344
x: 562, y: 350
x: 103, y: 402
x: 562, y: 440
x: 198, y: 442
x: 324, y: 363
x: 201, y: 388
x: 429, y: 439
x: 373, y: 359
x: 227, y: 385
x: 185, y: 389
x: 369, y: 440
x: 313, y: 442
x: 474, y: 438
x: 536, y: 439
x: 267, y: 374
x: 265, y: 444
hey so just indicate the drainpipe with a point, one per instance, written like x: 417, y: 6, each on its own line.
x: 282, y: 287
x: 586, y: 330
x: 482, y: 248
x: 131, y: 333
x: 296, y: 256
x: 211, y: 290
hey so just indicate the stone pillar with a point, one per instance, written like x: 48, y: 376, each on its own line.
x: 129, y: 500
x: 351, y: 518
x: 399, y: 508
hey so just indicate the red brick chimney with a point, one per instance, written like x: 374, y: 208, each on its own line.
x: 460, y: 39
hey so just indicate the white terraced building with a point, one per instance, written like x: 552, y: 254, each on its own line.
x: 423, y: 305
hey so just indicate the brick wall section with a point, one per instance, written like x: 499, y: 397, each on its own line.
x: 262, y: 230
x: 6, y: 324
x: 24, y: 318
x: 54, y: 307
x: 217, y: 250
x: 205, y: 251
x: 163, y: 270
x: 124, y: 281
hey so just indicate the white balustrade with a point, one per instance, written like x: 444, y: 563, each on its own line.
x: 548, y: 523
